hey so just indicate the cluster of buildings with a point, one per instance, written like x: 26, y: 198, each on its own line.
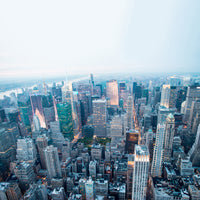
x: 112, y: 140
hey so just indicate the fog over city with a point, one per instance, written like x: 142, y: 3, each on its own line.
x: 48, y: 38
x: 100, y: 100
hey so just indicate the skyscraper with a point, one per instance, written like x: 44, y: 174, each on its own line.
x: 42, y: 143
x: 130, y: 112
x: 169, y: 96
x: 52, y: 162
x: 194, y: 152
x: 193, y: 94
x: 169, y: 136
x: 140, y: 172
x: 156, y: 168
x: 116, y: 126
x: 36, y: 103
x: 99, y: 117
x: 112, y: 92
x: 65, y: 117
x: 7, y: 151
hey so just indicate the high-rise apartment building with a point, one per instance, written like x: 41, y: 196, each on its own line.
x: 140, y: 172
x: 99, y: 117
x: 112, y: 92
x: 52, y: 162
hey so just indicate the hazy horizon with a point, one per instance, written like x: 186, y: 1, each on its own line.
x: 49, y: 39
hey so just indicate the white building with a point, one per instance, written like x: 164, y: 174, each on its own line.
x: 140, y: 172
x: 156, y: 168
x: 89, y: 189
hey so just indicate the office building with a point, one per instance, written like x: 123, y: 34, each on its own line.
x: 140, y: 172
x: 156, y: 168
x: 169, y: 136
x: 55, y: 127
x: 168, y: 96
x: 42, y: 143
x: 116, y: 126
x: 112, y: 92
x: 65, y: 118
x: 132, y: 138
x: 193, y: 94
x: 130, y: 122
x: 52, y: 162
x: 99, y: 117
x: 194, y: 152
x: 7, y: 151
x: 26, y: 150
x: 37, y: 109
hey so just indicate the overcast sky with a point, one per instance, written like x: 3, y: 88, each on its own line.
x: 51, y: 37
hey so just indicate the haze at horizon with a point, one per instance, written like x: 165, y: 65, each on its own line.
x: 51, y: 38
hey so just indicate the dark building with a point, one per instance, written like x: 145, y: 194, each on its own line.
x: 87, y: 131
x: 3, y: 115
x: 14, y: 116
x: 154, y: 118
x: 181, y: 97
x: 138, y: 92
x: 134, y: 87
x: 132, y: 138
x: 145, y: 93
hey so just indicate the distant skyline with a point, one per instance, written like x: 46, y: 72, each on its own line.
x: 51, y: 38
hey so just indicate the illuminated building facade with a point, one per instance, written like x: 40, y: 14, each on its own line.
x: 140, y: 172
x: 132, y: 138
x: 112, y: 92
